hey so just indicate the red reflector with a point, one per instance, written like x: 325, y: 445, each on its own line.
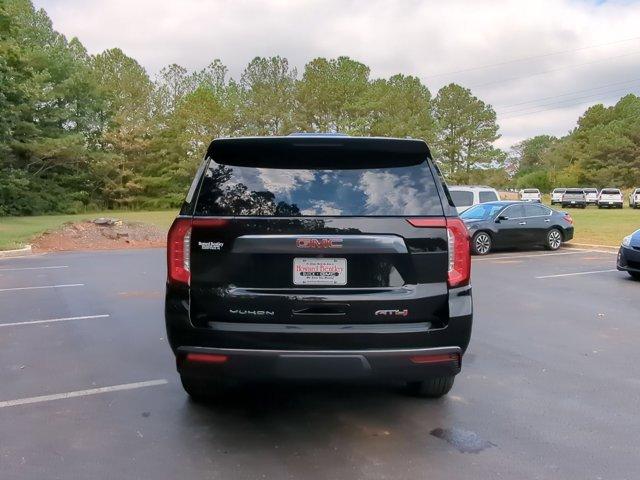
x: 206, y: 358
x: 440, y: 358
x: 428, y: 222
x: 210, y: 222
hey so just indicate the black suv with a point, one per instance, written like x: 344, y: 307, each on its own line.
x: 318, y: 257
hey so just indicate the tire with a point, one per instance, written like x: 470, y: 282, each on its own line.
x: 634, y: 275
x: 481, y: 243
x: 599, y: 206
x: 202, y: 390
x: 435, y: 387
x: 554, y: 239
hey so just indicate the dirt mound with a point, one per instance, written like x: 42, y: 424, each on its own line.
x: 101, y: 234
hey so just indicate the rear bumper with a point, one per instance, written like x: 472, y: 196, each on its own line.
x: 256, y: 348
x: 568, y: 234
x: 628, y: 260
x: 252, y: 364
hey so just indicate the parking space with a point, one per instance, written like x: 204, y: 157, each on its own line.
x: 549, y: 387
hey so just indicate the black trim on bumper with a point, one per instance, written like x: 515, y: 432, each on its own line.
x: 320, y: 364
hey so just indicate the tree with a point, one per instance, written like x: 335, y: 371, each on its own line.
x: 467, y: 129
x: 330, y: 96
x: 268, y: 89
x: 528, y: 154
x: 400, y: 107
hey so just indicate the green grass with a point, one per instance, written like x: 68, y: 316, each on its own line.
x: 16, y: 232
x: 603, y: 227
x: 594, y: 226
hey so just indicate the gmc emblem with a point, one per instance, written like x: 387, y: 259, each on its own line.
x: 319, y: 242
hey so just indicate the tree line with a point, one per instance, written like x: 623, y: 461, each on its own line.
x: 81, y: 132
x: 602, y: 151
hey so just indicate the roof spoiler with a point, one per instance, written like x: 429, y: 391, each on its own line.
x: 318, y: 152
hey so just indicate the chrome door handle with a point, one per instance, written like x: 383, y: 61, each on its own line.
x: 522, y: 223
x: 547, y: 220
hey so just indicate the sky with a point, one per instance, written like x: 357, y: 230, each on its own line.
x: 539, y: 63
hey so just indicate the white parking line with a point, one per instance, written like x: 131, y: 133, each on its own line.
x: 52, y: 320
x: 529, y: 255
x: 13, y: 289
x: 82, y: 393
x: 32, y: 268
x: 578, y: 273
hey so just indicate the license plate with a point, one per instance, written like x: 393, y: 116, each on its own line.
x: 319, y: 271
x: 573, y: 201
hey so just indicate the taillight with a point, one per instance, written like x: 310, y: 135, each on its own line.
x: 179, y: 251
x: 459, y: 270
x: 568, y: 218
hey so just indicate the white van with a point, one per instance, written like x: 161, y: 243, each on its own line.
x: 530, y: 195
x: 466, y: 196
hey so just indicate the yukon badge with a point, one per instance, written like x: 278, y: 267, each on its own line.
x: 252, y: 312
x: 393, y: 313
x: 211, y: 245
x: 319, y: 242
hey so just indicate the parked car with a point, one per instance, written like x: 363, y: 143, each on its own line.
x: 556, y: 195
x: 634, y: 198
x: 574, y: 197
x: 516, y: 224
x: 629, y: 255
x: 308, y: 257
x: 530, y: 195
x: 467, y: 196
x: 610, y: 197
x: 592, y: 195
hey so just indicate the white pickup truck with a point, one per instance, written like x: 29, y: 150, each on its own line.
x: 556, y: 195
x: 592, y: 195
x: 530, y: 195
x: 634, y: 198
x: 610, y: 198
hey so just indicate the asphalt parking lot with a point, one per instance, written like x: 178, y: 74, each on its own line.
x: 550, y: 386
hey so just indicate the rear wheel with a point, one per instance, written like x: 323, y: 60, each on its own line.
x: 554, y: 239
x: 202, y: 390
x: 481, y: 243
x: 434, y: 387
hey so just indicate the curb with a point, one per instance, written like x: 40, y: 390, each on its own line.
x: 589, y: 245
x: 16, y: 253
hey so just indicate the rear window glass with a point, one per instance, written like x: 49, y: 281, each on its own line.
x: 610, y: 191
x: 530, y: 190
x: 535, y: 211
x: 487, y: 196
x: 461, y: 198
x: 574, y: 191
x: 384, y: 189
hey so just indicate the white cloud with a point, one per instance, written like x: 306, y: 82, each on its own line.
x: 423, y: 38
